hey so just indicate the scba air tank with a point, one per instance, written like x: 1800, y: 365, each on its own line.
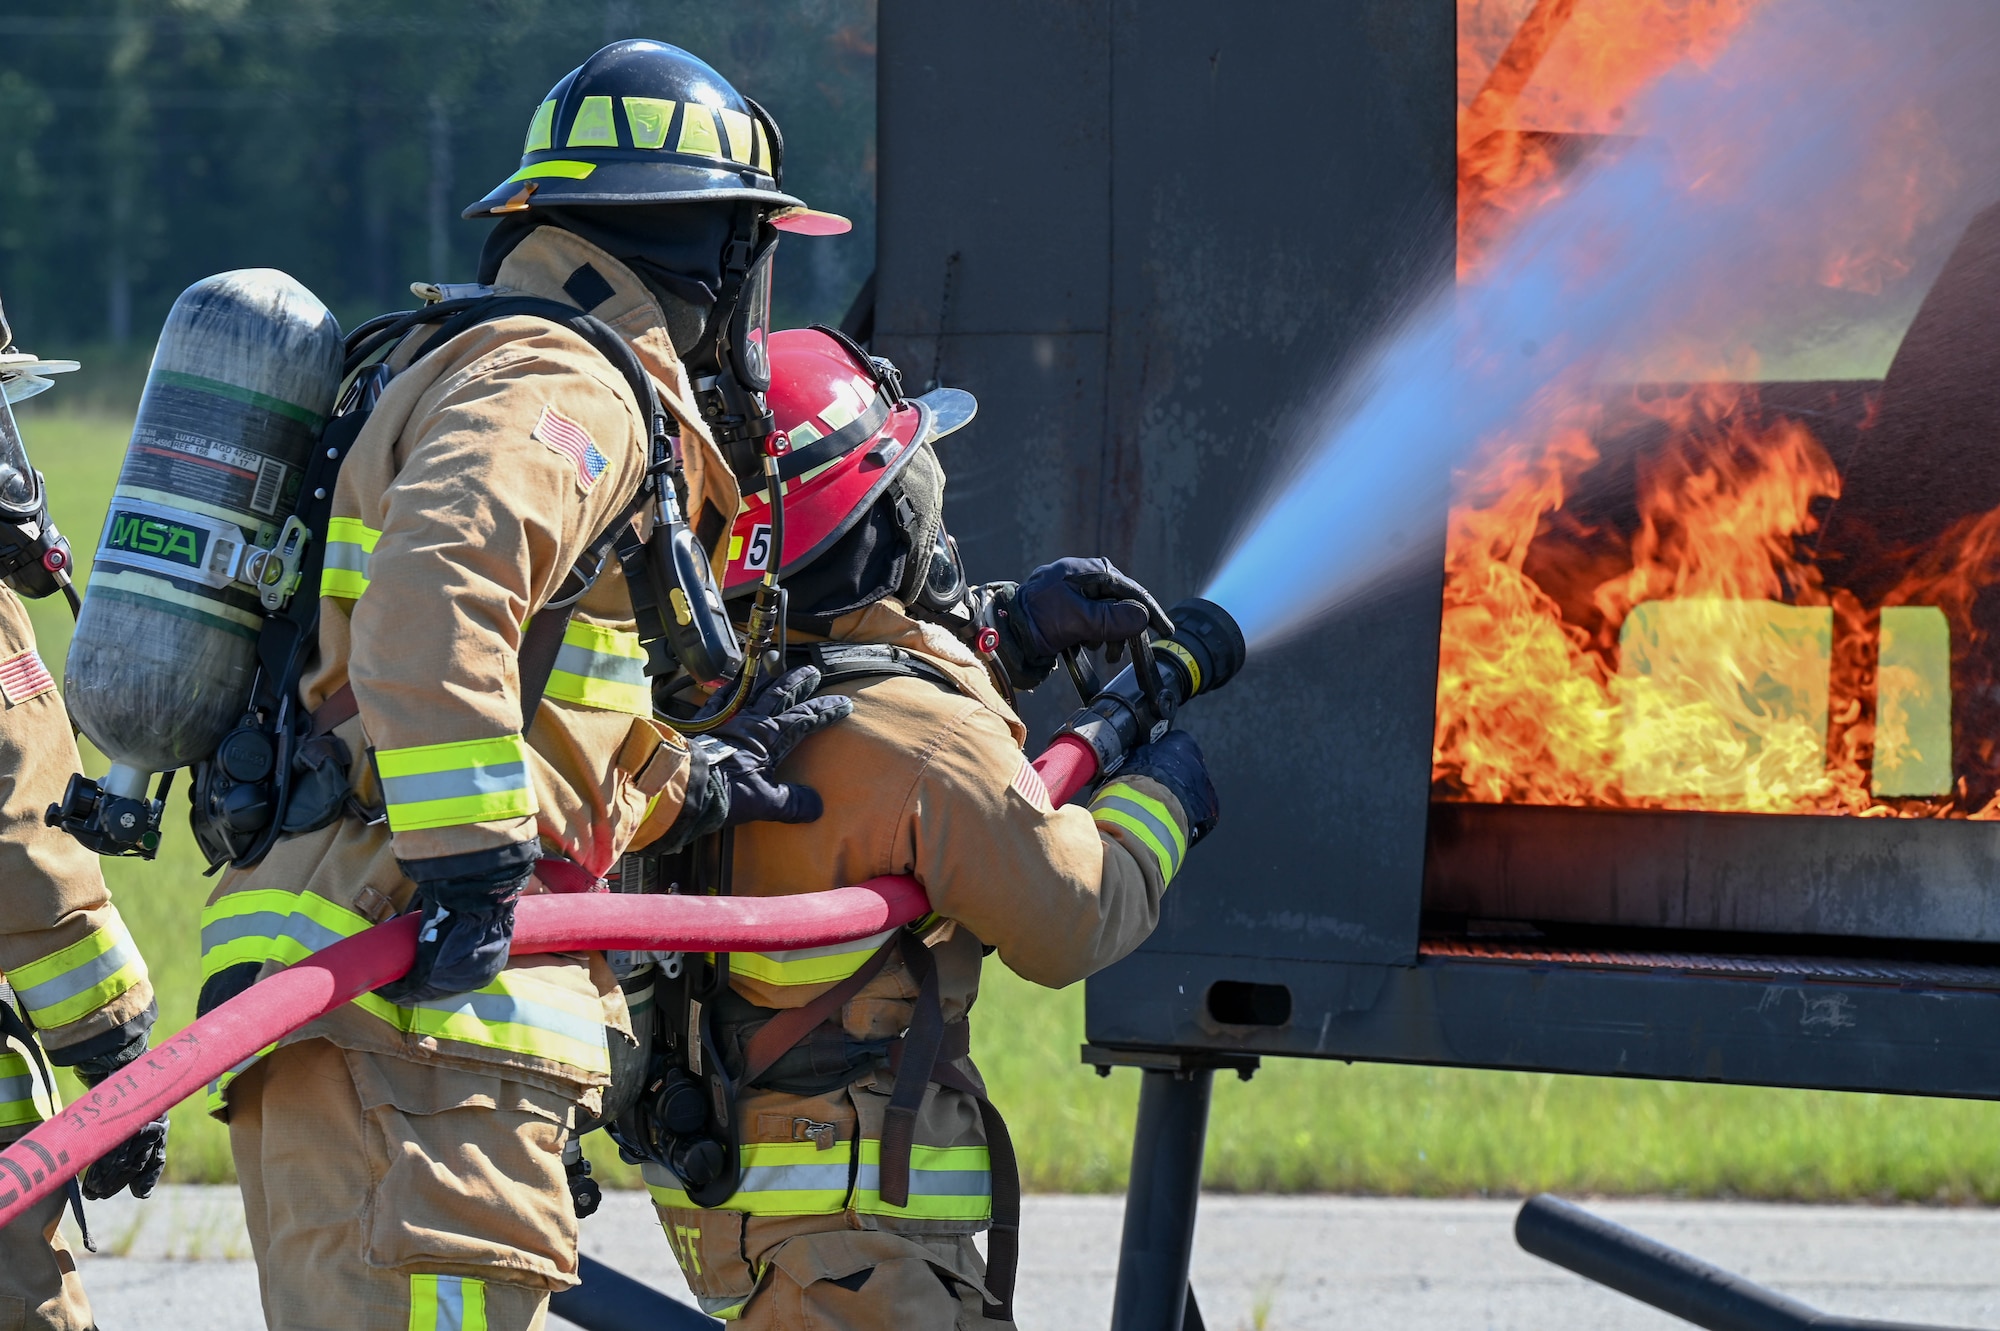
x: 193, y: 548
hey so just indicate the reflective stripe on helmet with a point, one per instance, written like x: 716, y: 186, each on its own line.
x: 601, y: 667
x: 449, y: 785
x: 541, y: 130
x: 807, y: 965
x: 22, y: 1098
x: 593, y: 126
x: 559, y: 170
x: 447, y: 1303
x: 649, y: 118
x: 517, y: 1013
x: 1121, y: 805
x: 350, y: 548
x: 698, y: 135
x: 83, y: 977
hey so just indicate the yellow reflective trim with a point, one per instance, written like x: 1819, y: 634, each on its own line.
x: 43, y: 969
x: 450, y: 756
x: 941, y: 1183
x: 608, y: 641
x: 541, y: 129
x: 458, y: 782
x: 24, y: 1099
x: 605, y: 695
x: 1121, y: 805
x: 350, y: 549
x: 763, y: 162
x: 742, y: 141
x: 1119, y: 818
x: 447, y: 1303
x: 307, y: 922
x: 735, y: 548
x: 563, y: 170
x: 698, y: 134
x: 813, y: 965
x: 515, y: 1037
x: 87, y: 1001
x: 649, y: 118
x: 593, y: 126
x: 353, y: 531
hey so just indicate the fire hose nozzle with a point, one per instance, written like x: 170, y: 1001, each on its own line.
x: 1202, y: 654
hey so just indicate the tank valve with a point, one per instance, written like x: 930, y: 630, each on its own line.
x: 108, y: 823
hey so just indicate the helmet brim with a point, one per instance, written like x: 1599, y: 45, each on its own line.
x: 558, y: 181
x: 951, y: 410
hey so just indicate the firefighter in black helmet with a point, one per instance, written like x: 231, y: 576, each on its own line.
x: 403, y: 1159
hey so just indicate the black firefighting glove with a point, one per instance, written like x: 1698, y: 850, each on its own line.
x: 1070, y: 603
x: 468, y: 923
x: 1174, y: 760
x: 743, y: 754
x: 136, y: 1162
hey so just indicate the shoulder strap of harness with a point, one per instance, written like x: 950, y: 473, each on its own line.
x: 845, y: 662
x: 286, y: 638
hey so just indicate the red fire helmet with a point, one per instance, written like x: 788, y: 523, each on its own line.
x: 850, y: 431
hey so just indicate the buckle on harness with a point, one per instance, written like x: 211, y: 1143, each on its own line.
x: 274, y: 572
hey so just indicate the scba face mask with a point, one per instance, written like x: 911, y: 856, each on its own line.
x: 34, y: 556
x: 731, y: 365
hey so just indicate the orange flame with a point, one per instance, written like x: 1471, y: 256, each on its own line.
x: 1538, y: 79
x: 1663, y: 636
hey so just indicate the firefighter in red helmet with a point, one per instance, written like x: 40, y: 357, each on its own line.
x: 858, y: 1154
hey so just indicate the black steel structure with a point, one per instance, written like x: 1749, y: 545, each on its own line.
x: 1147, y: 233
x: 1667, y: 1278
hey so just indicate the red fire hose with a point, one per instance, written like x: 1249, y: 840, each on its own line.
x: 280, y: 1004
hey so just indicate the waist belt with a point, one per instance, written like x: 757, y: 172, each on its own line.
x: 925, y: 1054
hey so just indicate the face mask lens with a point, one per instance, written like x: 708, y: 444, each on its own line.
x: 944, y: 580
x: 751, y: 327
x: 17, y: 476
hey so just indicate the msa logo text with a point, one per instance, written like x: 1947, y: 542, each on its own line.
x: 137, y: 534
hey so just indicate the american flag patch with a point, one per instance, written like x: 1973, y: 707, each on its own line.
x: 23, y: 676
x: 1029, y: 783
x: 571, y: 440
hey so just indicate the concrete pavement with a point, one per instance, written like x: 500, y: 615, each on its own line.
x: 1261, y: 1263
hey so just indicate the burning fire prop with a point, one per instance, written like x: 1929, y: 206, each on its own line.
x: 1706, y: 595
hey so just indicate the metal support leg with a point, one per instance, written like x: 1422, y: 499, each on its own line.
x: 1160, y: 1200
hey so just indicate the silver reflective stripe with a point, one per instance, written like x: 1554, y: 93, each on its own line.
x: 17, y: 1088
x: 41, y: 997
x: 489, y: 779
x: 930, y: 1182
x: 348, y: 556
x: 796, y: 1178
x: 1166, y: 834
x: 451, y: 1304
x: 574, y: 660
x: 508, y: 1009
x: 268, y: 924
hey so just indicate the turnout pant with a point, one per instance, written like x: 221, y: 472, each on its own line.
x: 388, y: 1195
x: 39, y: 1288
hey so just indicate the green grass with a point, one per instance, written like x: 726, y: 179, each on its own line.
x: 1297, y: 1127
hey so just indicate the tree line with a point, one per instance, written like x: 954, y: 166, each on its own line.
x: 145, y: 144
